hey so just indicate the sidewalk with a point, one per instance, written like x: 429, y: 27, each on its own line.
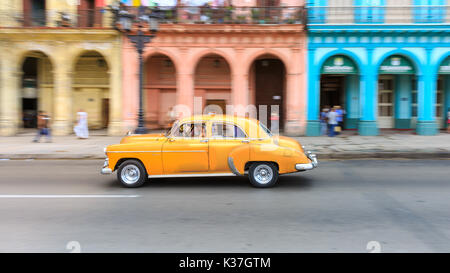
x: 341, y: 147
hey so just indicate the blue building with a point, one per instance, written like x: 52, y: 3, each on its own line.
x: 387, y: 62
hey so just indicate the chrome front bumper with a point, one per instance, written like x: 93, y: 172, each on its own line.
x: 106, y: 169
x: 308, y: 166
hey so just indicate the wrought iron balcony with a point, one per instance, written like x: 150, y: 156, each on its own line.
x: 224, y: 15
x: 413, y: 14
x: 93, y: 18
x: 105, y: 18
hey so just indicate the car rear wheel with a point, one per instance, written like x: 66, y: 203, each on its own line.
x: 131, y: 174
x: 263, y: 174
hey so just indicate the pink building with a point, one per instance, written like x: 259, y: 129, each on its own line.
x: 252, y: 54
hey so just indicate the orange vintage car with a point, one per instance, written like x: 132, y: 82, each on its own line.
x: 208, y: 145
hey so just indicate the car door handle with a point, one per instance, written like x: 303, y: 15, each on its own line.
x: 203, y: 140
x: 245, y: 141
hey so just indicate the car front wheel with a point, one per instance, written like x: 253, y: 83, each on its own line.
x: 131, y: 174
x: 263, y: 174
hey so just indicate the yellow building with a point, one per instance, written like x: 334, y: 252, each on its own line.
x: 59, y: 56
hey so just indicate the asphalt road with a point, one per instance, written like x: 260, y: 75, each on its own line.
x: 403, y: 205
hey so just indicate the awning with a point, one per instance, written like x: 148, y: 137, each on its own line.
x: 339, y: 64
x: 396, y: 65
x: 444, y: 68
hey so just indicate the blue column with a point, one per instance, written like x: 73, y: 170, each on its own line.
x: 426, y: 101
x: 352, y: 101
x: 403, y: 102
x: 313, y: 104
x: 367, y: 125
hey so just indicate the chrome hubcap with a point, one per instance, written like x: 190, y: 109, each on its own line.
x: 263, y: 174
x: 130, y: 174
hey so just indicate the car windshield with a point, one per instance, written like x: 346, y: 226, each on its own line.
x: 169, y: 131
x: 265, y: 129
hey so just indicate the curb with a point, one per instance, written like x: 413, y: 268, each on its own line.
x: 336, y: 155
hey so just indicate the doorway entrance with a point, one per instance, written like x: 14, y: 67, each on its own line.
x: 339, y: 86
x: 269, y: 89
x: 397, y: 94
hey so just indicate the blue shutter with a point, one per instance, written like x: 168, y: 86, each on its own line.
x: 316, y: 11
x: 367, y: 11
x: 429, y: 11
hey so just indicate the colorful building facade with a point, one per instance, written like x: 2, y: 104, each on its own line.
x: 386, y: 62
x: 59, y: 57
x: 249, y: 54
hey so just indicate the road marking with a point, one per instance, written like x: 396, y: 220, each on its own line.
x: 67, y: 196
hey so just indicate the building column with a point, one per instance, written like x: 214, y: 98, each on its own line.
x: 368, y: 98
x: 367, y: 125
x: 185, y: 93
x: 62, y: 121
x: 426, y: 101
x: 295, y: 94
x: 10, y: 95
x: 240, y: 95
x: 313, y: 122
x: 295, y: 104
x: 352, y: 101
x: 115, y: 94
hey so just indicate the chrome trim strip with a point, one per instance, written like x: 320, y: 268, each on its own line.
x: 232, y: 167
x: 191, y: 175
x: 193, y: 151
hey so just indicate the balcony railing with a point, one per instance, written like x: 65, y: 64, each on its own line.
x: 104, y: 18
x: 379, y: 15
x: 93, y: 18
x: 225, y: 15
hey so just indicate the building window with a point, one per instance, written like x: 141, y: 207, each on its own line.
x: 429, y: 11
x: 369, y: 11
x: 317, y: 10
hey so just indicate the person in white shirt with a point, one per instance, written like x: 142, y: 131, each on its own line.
x: 332, y: 122
x: 81, y: 129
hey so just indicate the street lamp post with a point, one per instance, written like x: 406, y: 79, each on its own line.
x: 147, y: 26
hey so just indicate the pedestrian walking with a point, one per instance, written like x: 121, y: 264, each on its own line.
x: 332, y: 122
x: 340, y: 118
x: 81, y: 129
x: 324, y: 121
x: 43, y: 122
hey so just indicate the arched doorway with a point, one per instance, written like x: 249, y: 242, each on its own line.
x: 160, y: 91
x: 443, y: 93
x: 397, y: 93
x: 212, y: 82
x: 90, y: 89
x: 339, y: 86
x: 267, y: 86
x: 36, y: 87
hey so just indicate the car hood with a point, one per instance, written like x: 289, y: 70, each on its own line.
x: 284, y: 141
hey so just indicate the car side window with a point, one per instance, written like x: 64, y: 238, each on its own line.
x: 226, y: 130
x: 191, y: 129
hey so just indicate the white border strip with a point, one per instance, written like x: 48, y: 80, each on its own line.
x: 66, y: 196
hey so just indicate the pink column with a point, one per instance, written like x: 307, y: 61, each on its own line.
x: 239, y: 81
x: 185, y: 91
x: 295, y: 94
